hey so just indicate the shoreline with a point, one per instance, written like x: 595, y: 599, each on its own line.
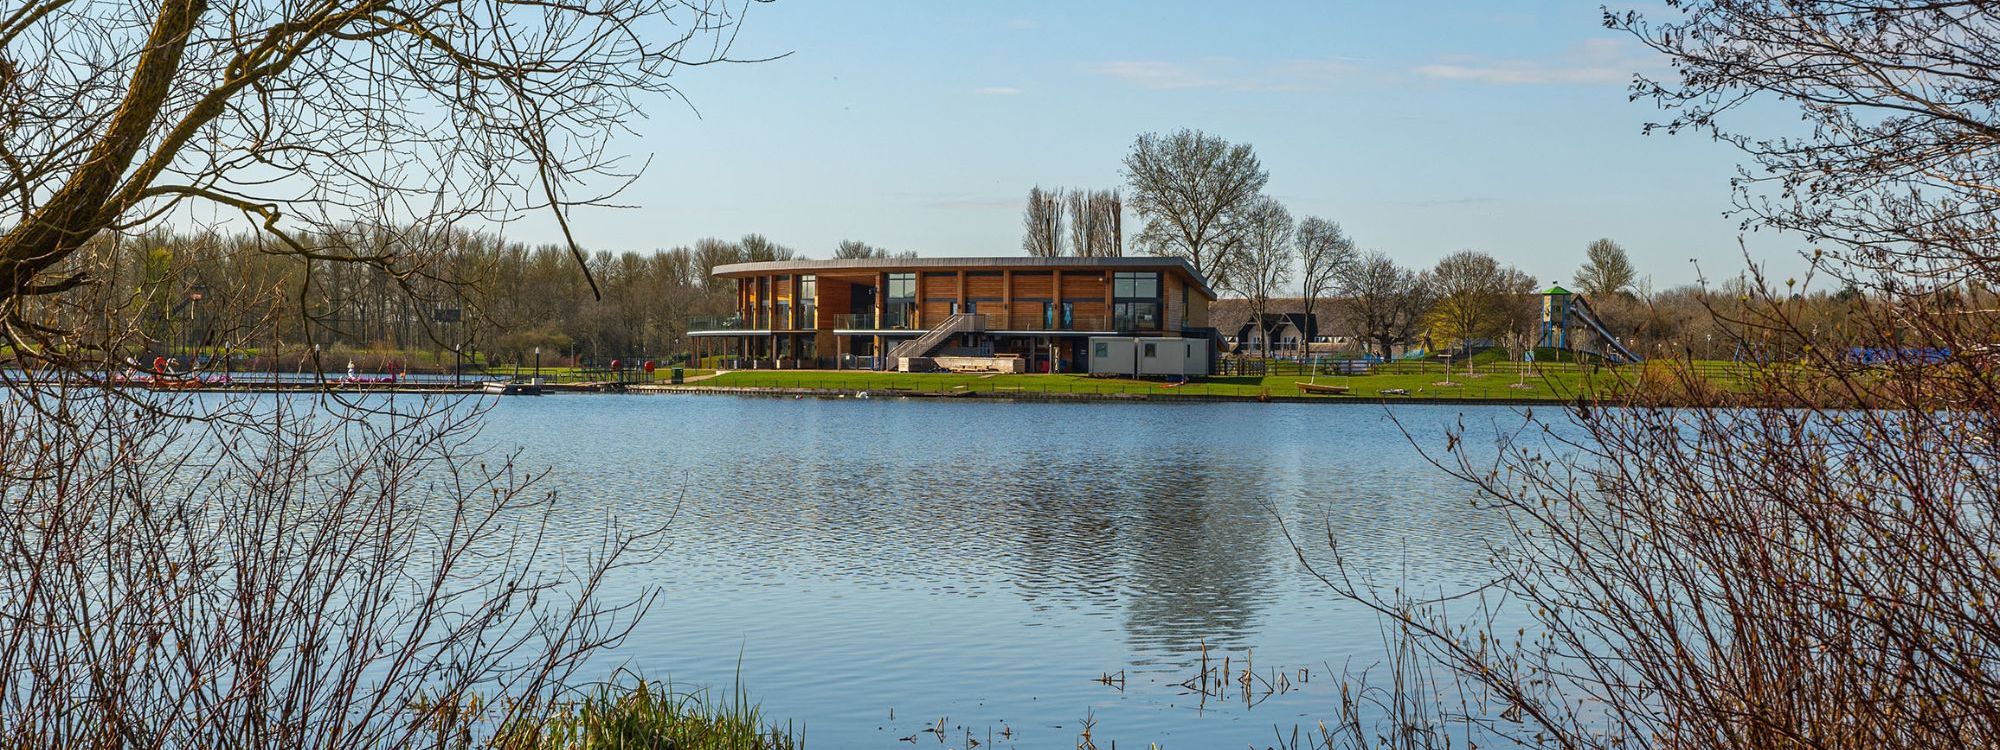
x: 1064, y: 396
x: 447, y: 389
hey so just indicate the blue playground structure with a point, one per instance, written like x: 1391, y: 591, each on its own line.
x: 1563, y: 311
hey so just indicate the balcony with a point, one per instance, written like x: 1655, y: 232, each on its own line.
x: 890, y: 320
x: 720, y: 324
x: 1028, y: 318
x: 1034, y: 318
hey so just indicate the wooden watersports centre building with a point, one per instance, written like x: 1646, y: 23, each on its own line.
x: 1025, y: 314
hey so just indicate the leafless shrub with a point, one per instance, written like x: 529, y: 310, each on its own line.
x: 1791, y: 572
x: 281, y: 574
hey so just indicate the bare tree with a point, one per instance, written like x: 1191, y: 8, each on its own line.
x: 1190, y: 186
x: 1107, y: 224
x: 1263, y: 268
x: 1042, y: 223
x: 1381, y: 302
x: 856, y: 249
x: 1520, y: 312
x: 1892, y: 171
x: 301, y: 118
x: 1096, y: 220
x: 1324, y: 252
x: 1606, y: 271
x: 1470, y: 304
x: 757, y: 248
x: 1076, y: 207
x: 1082, y: 223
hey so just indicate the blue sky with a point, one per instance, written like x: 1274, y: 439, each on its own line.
x: 1422, y: 127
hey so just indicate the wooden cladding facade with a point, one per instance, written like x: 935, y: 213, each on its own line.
x: 1011, y: 299
x: 821, y: 310
x: 1041, y: 309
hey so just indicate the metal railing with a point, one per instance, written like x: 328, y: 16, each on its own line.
x: 925, y: 344
x: 720, y: 323
x: 889, y: 320
x: 998, y: 318
x: 1035, y: 319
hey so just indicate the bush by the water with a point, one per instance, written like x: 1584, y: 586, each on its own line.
x: 648, y: 714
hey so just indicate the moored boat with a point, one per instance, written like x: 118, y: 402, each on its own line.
x: 513, y: 387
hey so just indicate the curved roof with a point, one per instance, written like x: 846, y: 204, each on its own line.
x: 1016, y: 263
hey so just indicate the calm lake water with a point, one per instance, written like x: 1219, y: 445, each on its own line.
x: 880, y: 565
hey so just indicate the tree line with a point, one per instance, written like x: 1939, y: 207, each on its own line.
x: 1200, y: 198
x: 399, y: 297
x: 426, y: 298
x: 423, y: 296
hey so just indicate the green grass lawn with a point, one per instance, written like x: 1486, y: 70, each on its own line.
x: 1556, y: 382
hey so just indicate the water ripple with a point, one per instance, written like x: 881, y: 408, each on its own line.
x: 986, y: 561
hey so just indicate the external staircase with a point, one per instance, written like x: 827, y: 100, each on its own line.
x: 937, y: 335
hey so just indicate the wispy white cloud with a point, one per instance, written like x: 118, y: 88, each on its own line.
x: 1153, y: 74
x: 1314, y: 74
x: 996, y: 91
x: 1593, y: 62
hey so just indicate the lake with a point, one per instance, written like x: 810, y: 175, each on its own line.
x: 873, y: 567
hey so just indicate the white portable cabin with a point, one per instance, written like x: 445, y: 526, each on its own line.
x: 1150, y: 355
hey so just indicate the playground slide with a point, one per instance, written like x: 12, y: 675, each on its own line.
x: 1589, y: 318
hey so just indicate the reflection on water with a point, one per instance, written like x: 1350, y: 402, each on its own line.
x: 1201, y: 563
x: 986, y: 562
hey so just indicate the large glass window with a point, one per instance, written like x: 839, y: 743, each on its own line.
x: 899, y: 308
x: 808, y: 301
x: 903, y: 286
x: 1135, y: 316
x: 1135, y: 300
x: 763, y: 301
x: 1135, y: 285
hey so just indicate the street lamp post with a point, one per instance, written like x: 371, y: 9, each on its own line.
x: 195, y: 334
x: 538, y: 363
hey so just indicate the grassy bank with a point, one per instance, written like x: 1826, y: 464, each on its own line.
x: 1553, y: 383
x: 1492, y: 378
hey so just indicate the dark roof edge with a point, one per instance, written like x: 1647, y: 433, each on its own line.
x: 821, y: 264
